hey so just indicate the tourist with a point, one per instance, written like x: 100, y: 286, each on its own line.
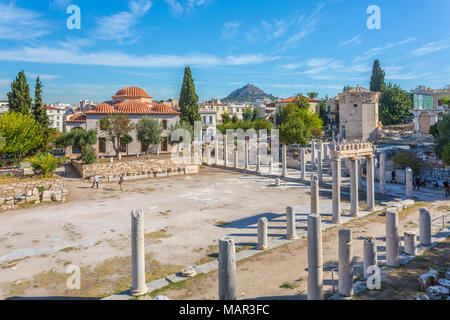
x: 393, y: 177
x: 417, y: 182
x: 121, y: 182
x: 447, y: 188
x: 95, y: 181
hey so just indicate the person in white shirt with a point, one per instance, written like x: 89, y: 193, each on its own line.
x: 95, y: 181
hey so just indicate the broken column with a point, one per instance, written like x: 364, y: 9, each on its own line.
x: 262, y: 234
x: 345, y: 263
x: 382, y: 173
x: 409, y: 183
x: 138, y: 286
x: 370, y: 255
x: 315, y: 258
x: 410, y: 243
x: 284, y: 155
x: 354, y: 201
x: 315, y: 195
x: 370, y: 182
x: 225, y: 151
x: 291, y: 232
x: 319, y: 159
x: 336, y: 192
x: 425, y: 227
x: 392, y: 238
x: 302, y: 163
x: 227, y: 269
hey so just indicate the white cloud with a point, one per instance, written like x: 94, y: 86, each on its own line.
x: 408, y: 40
x: 230, y: 29
x: 64, y: 55
x: 41, y: 76
x: 60, y: 4
x: 369, y: 54
x: 432, y: 47
x: 21, y: 24
x: 177, y: 8
x: 119, y: 26
x: 355, y: 40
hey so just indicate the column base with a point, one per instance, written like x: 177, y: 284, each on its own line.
x: 139, y: 292
x: 293, y: 237
x: 262, y: 247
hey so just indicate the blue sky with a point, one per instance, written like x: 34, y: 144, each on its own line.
x: 284, y: 47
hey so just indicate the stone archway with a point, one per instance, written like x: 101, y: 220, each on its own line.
x: 425, y: 122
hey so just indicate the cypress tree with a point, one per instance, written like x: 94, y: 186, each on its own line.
x: 38, y: 110
x: 19, y: 98
x: 377, y: 80
x: 188, y: 103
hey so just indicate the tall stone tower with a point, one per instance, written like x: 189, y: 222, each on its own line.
x: 358, y: 114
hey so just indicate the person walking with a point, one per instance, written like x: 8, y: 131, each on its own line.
x: 393, y: 177
x: 446, y: 188
x: 121, y: 182
x: 95, y: 181
x: 417, y: 184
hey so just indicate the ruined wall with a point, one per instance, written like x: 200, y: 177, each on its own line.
x: 138, y: 169
x: 32, y: 192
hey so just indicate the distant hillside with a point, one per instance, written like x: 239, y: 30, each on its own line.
x: 248, y: 93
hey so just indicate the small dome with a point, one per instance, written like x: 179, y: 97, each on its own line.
x: 103, y: 108
x: 132, y: 107
x: 131, y: 92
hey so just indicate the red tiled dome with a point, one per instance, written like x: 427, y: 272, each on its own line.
x: 161, y: 108
x: 77, y: 118
x: 132, y: 107
x: 103, y: 108
x: 131, y: 92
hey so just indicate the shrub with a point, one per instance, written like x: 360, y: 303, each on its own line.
x: 446, y: 155
x: 46, y: 163
x: 402, y: 160
x: 88, y: 155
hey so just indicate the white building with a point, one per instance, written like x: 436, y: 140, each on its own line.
x: 56, y: 117
x: 4, y: 106
x: 209, y: 122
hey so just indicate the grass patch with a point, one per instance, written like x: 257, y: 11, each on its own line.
x: 289, y: 285
x: 158, y: 235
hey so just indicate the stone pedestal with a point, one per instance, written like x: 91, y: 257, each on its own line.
x: 315, y: 258
x: 284, y: 155
x: 227, y: 269
x: 425, y: 227
x: 409, y: 183
x: 315, y: 209
x: 370, y: 255
x: 138, y: 286
x: 345, y: 263
x: 262, y: 234
x: 392, y: 238
x: 354, y: 197
x: 336, y: 192
x: 302, y: 163
x: 291, y: 233
x: 382, y: 173
x: 410, y: 243
x: 370, y: 183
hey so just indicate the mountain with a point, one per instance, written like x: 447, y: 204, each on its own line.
x: 248, y: 93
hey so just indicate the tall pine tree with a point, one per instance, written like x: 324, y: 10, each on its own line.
x: 19, y: 98
x: 38, y: 110
x: 377, y: 80
x: 188, y: 103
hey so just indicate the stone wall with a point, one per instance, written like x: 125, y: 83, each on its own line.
x: 138, y: 169
x: 32, y: 192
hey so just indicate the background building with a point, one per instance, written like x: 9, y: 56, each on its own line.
x: 56, y: 117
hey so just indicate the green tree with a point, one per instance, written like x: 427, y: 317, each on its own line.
x: 299, y: 127
x: 302, y: 102
x: 446, y: 154
x: 446, y: 101
x: 149, y: 133
x: 21, y: 132
x: 188, y: 103
x: 403, y: 160
x: 19, y: 98
x: 377, y: 80
x: 286, y: 111
x: 312, y: 95
x: 88, y: 154
x: 248, y: 114
x: 46, y: 163
x: 323, y: 114
x: 346, y: 88
x: 40, y: 115
x: 263, y: 124
x: 442, y: 137
x: 395, y: 105
x: 116, y: 127
x: 77, y: 138
x: 234, y: 119
x: 226, y: 118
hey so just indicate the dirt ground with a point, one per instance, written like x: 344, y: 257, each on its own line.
x: 184, y: 217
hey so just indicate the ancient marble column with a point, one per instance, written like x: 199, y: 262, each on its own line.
x: 216, y: 151
x: 319, y: 160
x: 271, y: 164
x: 302, y: 163
x: 382, y: 173
x: 138, y: 286
x: 246, y: 151
x: 225, y: 151
x: 345, y: 263
x: 262, y: 234
x: 354, y: 200
x: 313, y: 154
x: 392, y: 238
x: 284, y: 155
x: 325, y: 151
x: 424, y: 227
x: 370, y: 255
x: 370, y: 182
x: 336, y: 192
x: 315, y: 209
x: 291, y: 232
x: 360, y: 174
x: 409, y: 183
x: 236, y: 158
x: 258, y: 164
x: 227, y: 269
x: 410, y: 243
x: 315, y: 258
